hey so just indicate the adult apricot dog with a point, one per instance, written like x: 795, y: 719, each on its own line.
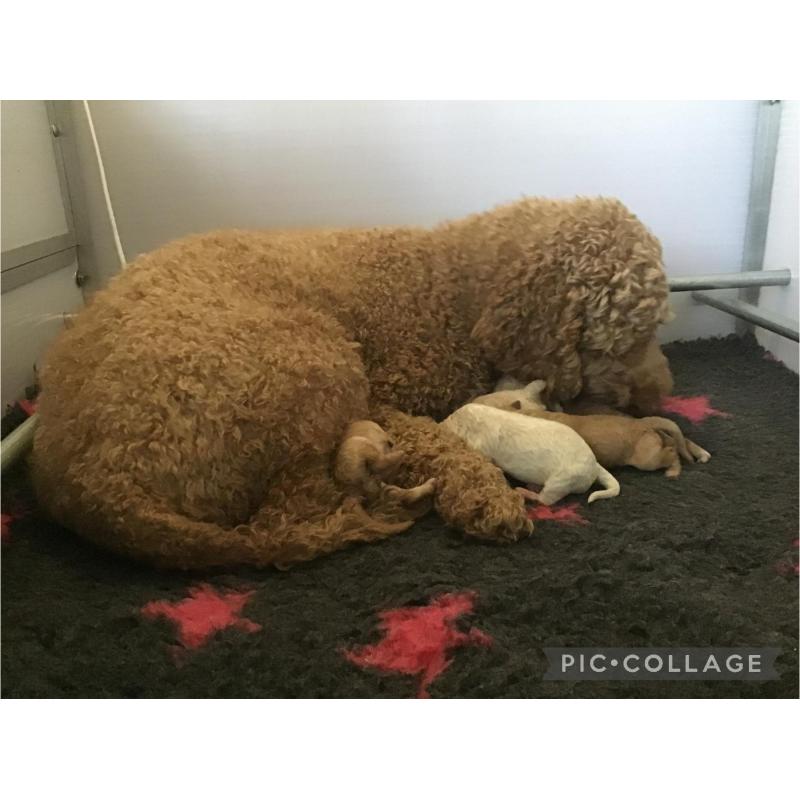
x: 191, y: 414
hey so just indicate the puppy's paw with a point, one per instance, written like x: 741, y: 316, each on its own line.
x: 429, y: 487
x: 409, y: 496
x: 698, y: 452
x: 702, y: 455
x: 527, y: 494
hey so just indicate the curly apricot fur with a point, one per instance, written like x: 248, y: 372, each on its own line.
x: 191, y: 414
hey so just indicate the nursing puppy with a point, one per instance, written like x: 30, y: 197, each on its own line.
x: 534, y: 451
x: 366, y: 460
x: 648, y: 443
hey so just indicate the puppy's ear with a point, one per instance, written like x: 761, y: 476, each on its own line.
x: 517, y: 404
x: 535, y: 388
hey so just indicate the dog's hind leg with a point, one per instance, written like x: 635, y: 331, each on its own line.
x: 656, y: 450
x: 674, y: 466
x: 308, y: 516
x: 303, y: 516
x: 700, y: 455
x: 556, y: 488
x: 178, y: 470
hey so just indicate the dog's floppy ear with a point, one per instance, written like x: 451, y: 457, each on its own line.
x: 535, y: 388
x: 517, y: 404
x: 531, y: 323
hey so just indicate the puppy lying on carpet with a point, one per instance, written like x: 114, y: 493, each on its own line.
x: 649, y: 443
x: 533, y: 450
x: 366, y: 460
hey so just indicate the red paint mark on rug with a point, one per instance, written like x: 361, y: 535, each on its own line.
x: 202, y: 613
x: 787, y: 569
x: 417, y: 640
x: 695, y: 409
x: 789, y: 566
x: 14, y: 511
x: 28, y: 406
x: 567, y: 514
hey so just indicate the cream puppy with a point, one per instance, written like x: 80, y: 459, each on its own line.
x: 534, y: 451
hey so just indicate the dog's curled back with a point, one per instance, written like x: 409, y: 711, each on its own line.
x: 190, y: 415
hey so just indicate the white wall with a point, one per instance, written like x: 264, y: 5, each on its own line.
x: 783, y: 250
x: 32, y: 316
x: 30, y: 192
x: 32, y: 210
x: 180, y: 167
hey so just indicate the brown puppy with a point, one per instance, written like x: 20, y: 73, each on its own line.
x: 584, y: 407
x: 366, y: 461
x: 649, y: 443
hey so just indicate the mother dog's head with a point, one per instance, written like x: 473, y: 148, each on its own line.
x: 575, y: 296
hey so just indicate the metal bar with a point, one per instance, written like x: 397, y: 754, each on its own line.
x: 781, y: 325
x: 56, y: 133
x: 62, y: 116
x: 33, y: 270
x: 731, y: 280
x: 762, y: 175
x: 19, y: 256
x: 17, y: 443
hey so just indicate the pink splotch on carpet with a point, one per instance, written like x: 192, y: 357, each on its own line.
x: 203, y: 613
x: 14, y: 511
x: 28, y: 406
x: 417, y: 640
x: 567, y: 514
x: 5, y: 531
x: 695, y: 409
x: 790, y: 565
x: 788, y: 568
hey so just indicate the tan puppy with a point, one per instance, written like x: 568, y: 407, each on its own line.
x: 649, y: 443
x: 584, y: 407
x: 366, y: 461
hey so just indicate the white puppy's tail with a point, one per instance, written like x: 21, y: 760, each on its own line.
x: 605, y: 478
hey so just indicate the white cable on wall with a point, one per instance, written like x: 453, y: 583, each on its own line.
x: 104, y: 183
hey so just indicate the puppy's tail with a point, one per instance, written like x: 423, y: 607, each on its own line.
x: 663, y: 425
x: 605, y: 478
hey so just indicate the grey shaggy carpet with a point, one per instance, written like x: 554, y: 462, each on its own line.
x: 709, y: 559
